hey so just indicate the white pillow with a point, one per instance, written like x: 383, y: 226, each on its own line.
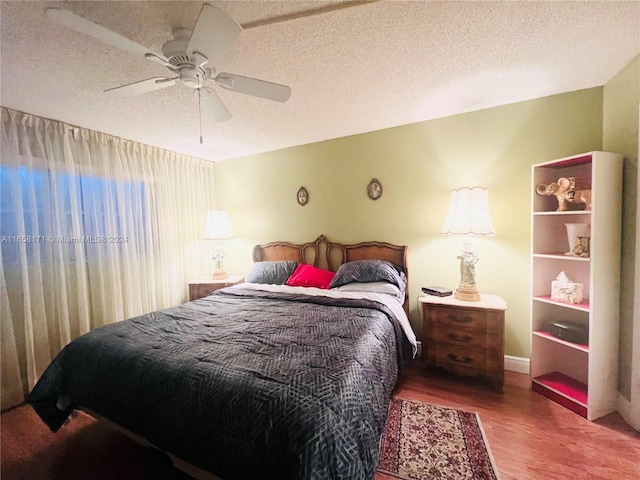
x: 373, y: 287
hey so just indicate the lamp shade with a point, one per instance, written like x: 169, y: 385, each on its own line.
x: 469, y: 213
x: 218, y: 225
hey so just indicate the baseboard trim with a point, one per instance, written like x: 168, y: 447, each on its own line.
x: 629, y: 411
x: 516, y: 364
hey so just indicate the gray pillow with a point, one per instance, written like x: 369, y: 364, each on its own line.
x: 272, y: 272
x: 369, y: 271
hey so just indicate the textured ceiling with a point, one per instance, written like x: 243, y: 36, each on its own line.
x: 351, y: 70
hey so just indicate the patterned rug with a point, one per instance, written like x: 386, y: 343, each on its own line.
x: 425, y: 442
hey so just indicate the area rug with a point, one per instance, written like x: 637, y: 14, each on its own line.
x: 425, y: 442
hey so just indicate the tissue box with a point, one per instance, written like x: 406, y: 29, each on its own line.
x: 568, y: 292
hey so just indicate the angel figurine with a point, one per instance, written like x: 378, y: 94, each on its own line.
x: 468, y: 259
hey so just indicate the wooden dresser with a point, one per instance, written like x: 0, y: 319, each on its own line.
x: 201, y: 287
x: 464, y: 338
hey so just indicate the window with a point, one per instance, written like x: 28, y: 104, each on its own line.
x: 73, y: 213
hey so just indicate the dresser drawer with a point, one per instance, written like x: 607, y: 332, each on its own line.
x: 201, y: 287
x: 464, y: 338
x: 201, y: 290
x: 455, y: 318
x: 465, y: 361
x: 452, y: 355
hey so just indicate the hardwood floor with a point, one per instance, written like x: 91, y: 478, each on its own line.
x: 530, y: 438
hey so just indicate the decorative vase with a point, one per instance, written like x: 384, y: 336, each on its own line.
x: 575, y: 231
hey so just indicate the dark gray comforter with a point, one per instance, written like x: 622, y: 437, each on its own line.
x: 243, y: 384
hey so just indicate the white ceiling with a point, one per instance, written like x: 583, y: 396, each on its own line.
x: 351, y: 70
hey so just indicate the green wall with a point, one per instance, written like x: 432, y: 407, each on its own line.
x: 418, y: 165
x: 620, y: 134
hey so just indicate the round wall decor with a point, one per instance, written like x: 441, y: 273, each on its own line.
x: 374, y: 189
x: 303, y: 196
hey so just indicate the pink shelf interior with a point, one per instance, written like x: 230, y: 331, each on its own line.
x: 542, y: 333
x: 584, y: 305
x: 570, y: 162
x: 564, y: 385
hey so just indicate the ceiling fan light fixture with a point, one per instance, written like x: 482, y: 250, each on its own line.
x: 191, y: 78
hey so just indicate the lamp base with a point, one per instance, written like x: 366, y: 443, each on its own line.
x: 220, y: 275
x: 467, y: 293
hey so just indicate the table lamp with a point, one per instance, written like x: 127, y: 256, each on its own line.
x: 218, y: 227
x: 468, y: 215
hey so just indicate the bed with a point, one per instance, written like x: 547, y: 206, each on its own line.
x: 258, y: 380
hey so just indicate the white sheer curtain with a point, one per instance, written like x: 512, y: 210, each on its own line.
x: 94, y: 229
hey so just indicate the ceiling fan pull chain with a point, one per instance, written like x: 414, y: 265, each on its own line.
x: 200, y: 110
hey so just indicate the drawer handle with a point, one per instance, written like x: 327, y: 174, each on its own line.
x: 465, y: 319
x: 456, y: 338
x: 455, y: 358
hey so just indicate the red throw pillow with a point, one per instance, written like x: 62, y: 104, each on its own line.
x: 310, y: 276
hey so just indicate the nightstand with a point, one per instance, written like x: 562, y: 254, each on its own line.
x: 201, y: 287
x: 464, y: 338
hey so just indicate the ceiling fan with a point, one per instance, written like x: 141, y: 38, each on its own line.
x: 190, y: 56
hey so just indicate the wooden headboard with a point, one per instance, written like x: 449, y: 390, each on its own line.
x: 329, y: 255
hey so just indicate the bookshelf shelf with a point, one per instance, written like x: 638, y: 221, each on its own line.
x: 579, y: 346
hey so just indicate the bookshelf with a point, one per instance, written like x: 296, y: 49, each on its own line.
x: 580, y: 376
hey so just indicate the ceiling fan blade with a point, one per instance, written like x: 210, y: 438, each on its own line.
x: 159, y: 59
x: 143, y: 86
x: 212, y: 107
x: 254, y: 87
x: 214, y: 34
x: 198, y: 59
x: 86, y: 27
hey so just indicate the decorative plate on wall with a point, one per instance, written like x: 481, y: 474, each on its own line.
x: 374, y: 189
x: 303, y: 196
